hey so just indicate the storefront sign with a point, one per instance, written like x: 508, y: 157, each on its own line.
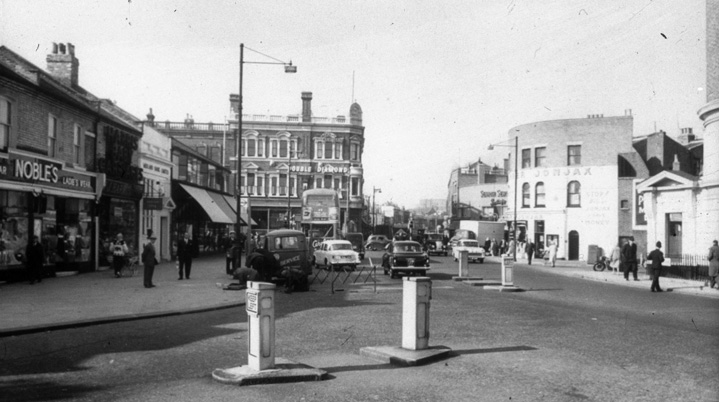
x: 584, y: 171
x: 640, y: 216
x: 26, y: 169
x: 114, y: 188
x: 325, y: 168
x: 152, y: 203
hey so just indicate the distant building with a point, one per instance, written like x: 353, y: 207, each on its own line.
x: 476, y: 192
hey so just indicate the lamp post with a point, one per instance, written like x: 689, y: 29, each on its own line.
x: 289, y: 188
x: 516, y: 174
x: 374, y: 213
x: 289, y: 68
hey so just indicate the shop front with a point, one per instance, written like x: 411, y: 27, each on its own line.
x: 118, y: 212
x: 43, y: 197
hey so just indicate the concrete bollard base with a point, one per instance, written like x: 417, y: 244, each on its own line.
x: 398, y: 356
x: 504, y: 288
x: 466, y: 278
x: 284, y: 371
x: 487, y: 282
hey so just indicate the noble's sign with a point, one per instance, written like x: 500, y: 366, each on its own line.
x: 26, y: 169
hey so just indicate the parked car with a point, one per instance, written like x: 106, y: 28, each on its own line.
x: 290, y: 250
x: 434, y: 244
x: 460, y: 234
x: 376, y: 242
x: 474, y: 251
x: 336, y: 254
x: 405, y: 257
x: 357, y: 241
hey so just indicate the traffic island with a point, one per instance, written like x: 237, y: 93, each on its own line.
x: 262, y: 366
x: 503, y: 288
x: 480, y: 282
x: 415, y: 350
x: 284, y: 371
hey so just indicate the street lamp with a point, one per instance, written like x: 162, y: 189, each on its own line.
x: 516, y: 174
x: 374, y: 213
x: 289, y: 68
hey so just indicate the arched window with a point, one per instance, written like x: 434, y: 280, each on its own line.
x: 574, y: 194
x: 525, y: 195
x: 539, y: 195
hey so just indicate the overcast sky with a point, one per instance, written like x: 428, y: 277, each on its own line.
x: 437, y: 81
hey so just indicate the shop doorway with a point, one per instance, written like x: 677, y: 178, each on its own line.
x: 674, y: 234
x: 573, y: 251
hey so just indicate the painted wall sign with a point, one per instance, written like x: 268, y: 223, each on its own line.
x: 26, y: 169
x: 528, y: 173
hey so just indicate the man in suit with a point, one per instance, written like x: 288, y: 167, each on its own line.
x: 149, y: 260
x: 186, y: 250
x: 629, y: 258
x: 657, y: 257
x: 530, y: 252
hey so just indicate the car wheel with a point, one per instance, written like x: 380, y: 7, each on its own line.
x: 445, y: 253
x: 422, y: 273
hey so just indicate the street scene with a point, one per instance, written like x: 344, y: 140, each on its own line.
x: 359, y: 201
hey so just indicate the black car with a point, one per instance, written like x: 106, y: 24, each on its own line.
x: 435, y: 243
x: 405, y: 257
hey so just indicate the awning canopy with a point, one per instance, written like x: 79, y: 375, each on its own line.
x: 207, y: 203
x: 221, y: 202
x: 243, y: 215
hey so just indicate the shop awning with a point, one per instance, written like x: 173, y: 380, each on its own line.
x: 243, y: 216
x: 222, y: 203
x: 203, y: 198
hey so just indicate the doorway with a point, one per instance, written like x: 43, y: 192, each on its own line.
x: 674, y: 234
x: 573, y: 245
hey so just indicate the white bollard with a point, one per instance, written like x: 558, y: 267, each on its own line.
x: 463, y: 263
x: 260, y: 306
x: 507, y: 266
x: 416, y: 294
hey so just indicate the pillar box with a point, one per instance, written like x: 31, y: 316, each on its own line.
x: 260, y: 306
x: 507, y: 267
x: 416, y: 294
x: 463, y: 263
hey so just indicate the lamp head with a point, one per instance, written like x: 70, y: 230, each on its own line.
x: 289, y: 68
x: 490, y: 147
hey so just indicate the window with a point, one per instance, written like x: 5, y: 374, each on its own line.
x: 283, y: 149
x: 5, y: 123
x: 329, y: 148
x: 76, y: 138
x: 90, y: 150
x: 318, y: 182
x: 328, y: 181
x: 283, y: 184
x: 253, y: 147
x: 51, y: 135
x: 574, y: 194
x: 319, y: 151
x: 624, y: 204
x: 250, y: 183
x: 540, y: 155
x: 355, y: 186
x: 293, y: 186
x: 526, y: 158
x: 354, y: 152
x: 525, y: 195
x: 273, y: 147
x: 338, y: 151
x: 260, y: 184
x: 574, y: 155
x: 539, y: 195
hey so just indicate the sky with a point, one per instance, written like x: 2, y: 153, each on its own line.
x: 437, y: 81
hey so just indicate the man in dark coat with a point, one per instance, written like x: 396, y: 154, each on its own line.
x: 657, y: 257
x: 187, y: 249
x: 530, y: 252
x: 231, y: 253
x: 629, y: 258
x: 34, y: 259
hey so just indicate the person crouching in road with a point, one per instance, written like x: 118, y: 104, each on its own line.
x: 657, y: 257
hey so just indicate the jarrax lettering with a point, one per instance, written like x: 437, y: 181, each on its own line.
x: 30, y: 170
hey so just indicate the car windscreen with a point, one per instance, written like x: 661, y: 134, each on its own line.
x: 469, y: 244
x: 436, y: 237
x: 341, y: 246
x: 407, y: 248
x: 286, y: 243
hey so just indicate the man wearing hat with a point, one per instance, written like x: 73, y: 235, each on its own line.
x: 657, y: 257
x: 149, y: 260
x: 629, y: 258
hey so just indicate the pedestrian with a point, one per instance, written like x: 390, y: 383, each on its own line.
x: 187, y: 249
x: 149, y: 260
x: 614, y: 259
x: 629, y: 258
x: 231, y: 253
x: 34, y: 259
x: 529, y: 249
x: 503, y: 247
x: 511, y: 248
x: 488, y: 246
x: 553, y: 252
x: 495, y: 247
x: 656, y: 257
x: 713, y: 258
x: 119, y: 254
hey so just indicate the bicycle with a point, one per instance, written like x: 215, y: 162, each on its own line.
x: 131, y: 267
x: 602, y: 264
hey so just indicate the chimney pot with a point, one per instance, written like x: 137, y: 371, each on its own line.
x: 306, y: 107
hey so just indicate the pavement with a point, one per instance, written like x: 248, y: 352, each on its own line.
x: 98, y: 297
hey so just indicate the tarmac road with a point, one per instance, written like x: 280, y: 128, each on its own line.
x: 563, y: 339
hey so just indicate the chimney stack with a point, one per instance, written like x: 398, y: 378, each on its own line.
x: 306, y: 107
x: 151, y: 118
x: 687, y: 135
x: 63, y: 65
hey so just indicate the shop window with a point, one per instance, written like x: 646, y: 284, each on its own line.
x: 14, y: 226
x: 539, y: 195
x: 525, y: 195
x: 540, y: 156
x: 574, y: 194
x: 526, y: 158
x: 574, y: 155
x: 5, y: 123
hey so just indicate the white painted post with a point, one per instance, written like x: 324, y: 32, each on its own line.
x: 260, y: 306
x: 416, y: 294
x: 507, y: 267
x: 463, y: 263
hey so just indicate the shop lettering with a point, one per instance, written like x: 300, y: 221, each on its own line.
x: 71, y: 181
x: 304, y: 169
x: 35, y: 171
x: 321, y: 168
x: 490, y: 194
x: 587, y: 171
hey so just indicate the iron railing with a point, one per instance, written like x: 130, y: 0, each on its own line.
x: 687, y: 266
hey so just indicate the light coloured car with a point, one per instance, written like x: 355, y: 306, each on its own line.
x: 377, y: 242
x: 336, y: 254
x: 474, y: 251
